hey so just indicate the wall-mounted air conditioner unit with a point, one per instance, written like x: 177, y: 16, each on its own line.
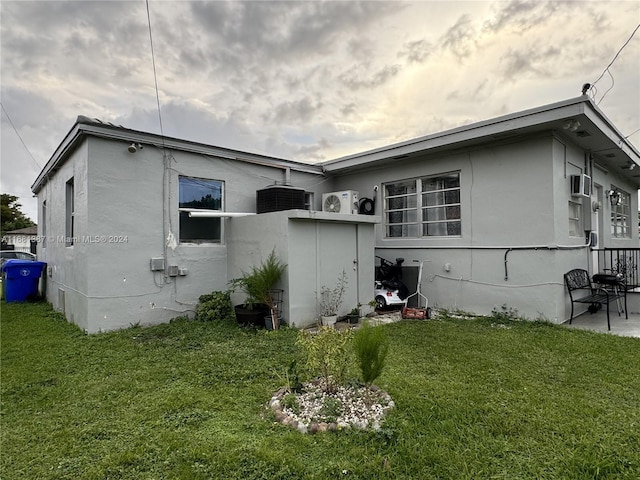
x: 580, y: 185
x: 340, y: 202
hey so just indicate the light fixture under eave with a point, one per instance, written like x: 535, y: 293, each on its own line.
x: 571, y: 125
x: 615, y: 198
x: 134, y: 147
x: 629, y: 166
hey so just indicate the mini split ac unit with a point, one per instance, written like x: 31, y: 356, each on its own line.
x: 580, y: 185
x: 340, y: 202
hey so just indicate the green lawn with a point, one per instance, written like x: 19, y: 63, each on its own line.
x: 485, y: 398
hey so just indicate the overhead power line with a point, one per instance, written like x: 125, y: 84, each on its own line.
x: 18, y: 134
x: 155, y: 76
x: 606, y: 70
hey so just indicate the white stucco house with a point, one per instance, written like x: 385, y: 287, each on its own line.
x: 22, y: 239
x: 136, y: 226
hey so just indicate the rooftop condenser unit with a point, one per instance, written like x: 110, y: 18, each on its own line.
x: 279, y: 197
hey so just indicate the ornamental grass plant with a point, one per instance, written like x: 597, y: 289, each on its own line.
x: 371, y: 346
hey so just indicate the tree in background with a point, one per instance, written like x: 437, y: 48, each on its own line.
x: 11, y: 217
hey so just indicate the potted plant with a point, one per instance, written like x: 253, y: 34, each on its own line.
x: 262, y: 300
x: 330, y: 300
x: 354, y: 315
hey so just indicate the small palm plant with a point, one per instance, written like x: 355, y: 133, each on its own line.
x: 259, y: 282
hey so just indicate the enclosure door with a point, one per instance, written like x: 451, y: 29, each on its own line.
x: 337, y: 251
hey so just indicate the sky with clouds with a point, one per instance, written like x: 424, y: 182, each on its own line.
x: 303, y: 80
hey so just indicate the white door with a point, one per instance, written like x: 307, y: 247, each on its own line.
x: 337, y: 251
x: 595, y: 225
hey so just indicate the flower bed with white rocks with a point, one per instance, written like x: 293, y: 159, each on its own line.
x: 315, y: 410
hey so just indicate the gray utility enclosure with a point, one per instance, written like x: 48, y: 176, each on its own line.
x: 135, y: 227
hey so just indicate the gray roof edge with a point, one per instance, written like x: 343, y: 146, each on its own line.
x: 58, y: 155
x: 581, y: 103
x: 85, y: 125
x: 621, y: 138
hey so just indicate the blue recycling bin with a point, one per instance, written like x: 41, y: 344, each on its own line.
x: 21, y: 279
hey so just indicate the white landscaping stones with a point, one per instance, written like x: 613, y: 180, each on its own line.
x: 357, y: 406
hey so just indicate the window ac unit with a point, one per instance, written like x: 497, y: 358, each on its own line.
x: 340, y: 202
x: 580, y: 185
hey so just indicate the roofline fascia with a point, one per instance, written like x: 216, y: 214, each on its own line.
x: 69, y: 142
x: 117, y: 133
x: 445, y: 137
x: 614, y: 134
x: 83, y: 128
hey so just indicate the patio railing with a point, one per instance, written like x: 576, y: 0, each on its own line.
x: 621, y: 260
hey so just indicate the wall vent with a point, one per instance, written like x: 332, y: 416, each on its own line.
x: 61, y: 301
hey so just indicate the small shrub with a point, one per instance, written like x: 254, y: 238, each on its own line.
x: 505, y: 314
x: 330, y: 299
x: 290, y: 401
x: 371, y: 346
x: 293, y: 378
x: 331, y: 409
x: 327, y: 355
x: 215, y: 306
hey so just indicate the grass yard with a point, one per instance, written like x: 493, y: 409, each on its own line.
x: 485, y: 398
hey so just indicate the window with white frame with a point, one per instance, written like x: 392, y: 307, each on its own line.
x: 621, y: 221
x: 575, y: 219
x: 199, y: 194
x: 423, y: 207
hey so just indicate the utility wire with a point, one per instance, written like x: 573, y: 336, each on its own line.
x: 18, y: 134
x: 606, y: 70
x: 637, y: 130
x: 155, y: 76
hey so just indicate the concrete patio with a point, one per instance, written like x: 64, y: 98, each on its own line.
x: 597, y: 322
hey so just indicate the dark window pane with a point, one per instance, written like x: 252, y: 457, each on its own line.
x: 199, y: 194
x: 452, y: 196
x: 454, y: 228
x: 199, y: 229
x: 452, y: 181
x: 453, y: 212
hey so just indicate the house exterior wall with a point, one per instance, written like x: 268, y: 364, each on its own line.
x: 125, y: 208
x: 515, y: 244
x: 67, y: 285
x: 516, y: 237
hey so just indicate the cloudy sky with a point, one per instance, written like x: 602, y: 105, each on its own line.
x: 303, y: 80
